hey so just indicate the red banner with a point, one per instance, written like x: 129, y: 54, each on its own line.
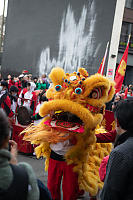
x: 108, y: 121
x: 120, y: 73
x: 101, y: 68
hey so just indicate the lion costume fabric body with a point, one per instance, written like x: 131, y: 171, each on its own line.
x: 84, y: 96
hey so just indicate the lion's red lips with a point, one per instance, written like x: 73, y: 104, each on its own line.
x: 70, y: 126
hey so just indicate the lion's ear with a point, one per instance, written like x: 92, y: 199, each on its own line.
x: 83, y: 72
x: 50, y: 92
x: 57, y: 75
x: 111, y: 91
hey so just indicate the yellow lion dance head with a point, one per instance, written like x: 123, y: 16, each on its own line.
x: 83, y: 97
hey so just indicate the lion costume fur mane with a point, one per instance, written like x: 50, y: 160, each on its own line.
x: 84, y: 96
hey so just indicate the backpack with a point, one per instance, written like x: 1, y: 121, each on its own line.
x: 18, y: 190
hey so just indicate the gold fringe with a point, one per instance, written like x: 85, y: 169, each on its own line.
x: 46, y: 134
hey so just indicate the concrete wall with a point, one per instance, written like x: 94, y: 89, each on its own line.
x: 41, y: 34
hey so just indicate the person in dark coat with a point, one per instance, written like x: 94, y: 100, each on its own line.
x: 118, y: 184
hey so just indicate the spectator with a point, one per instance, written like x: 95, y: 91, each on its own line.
x: 109, y: 104
x: 16, y: 181
x: 13, y: 97
x: 129, y: 94
x: 36, y: 116
x: 11, y: 82
x: 5, y: 102
x: 24, y: 81
x: 41, y: 85
x: 17, y: 82
x: 9, y: 77
x: 45, y: 81
x: 30, y: 98
x: 116, y: 100
x: 118, y: 183
x: 35, y: 79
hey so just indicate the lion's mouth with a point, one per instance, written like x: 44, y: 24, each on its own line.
x: 66, y: 116
x: 65, y: 121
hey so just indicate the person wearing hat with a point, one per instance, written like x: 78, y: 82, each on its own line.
x: 5, y: 102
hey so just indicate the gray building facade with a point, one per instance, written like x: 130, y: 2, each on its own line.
x: 42, y: 34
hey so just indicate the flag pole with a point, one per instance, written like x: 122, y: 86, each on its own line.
x: 129, y: 36
x: 101, y: 68
x: 105, y: 55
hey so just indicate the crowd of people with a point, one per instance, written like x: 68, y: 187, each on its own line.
x: 23, y: 90
x: 18, y: 180
x: 29, y: 91
x: 126, y: 92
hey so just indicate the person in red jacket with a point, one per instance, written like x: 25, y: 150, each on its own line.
x: 17, y: 82
x: 5, y: 102
x: 11, y: 82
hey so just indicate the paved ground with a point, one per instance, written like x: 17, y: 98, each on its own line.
x: 38, y: 166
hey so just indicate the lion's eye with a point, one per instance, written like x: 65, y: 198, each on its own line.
x: 78, y: 90
x: 58, y: 88
x: 96, y: 93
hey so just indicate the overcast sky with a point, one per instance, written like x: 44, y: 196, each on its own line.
x: 1, y: 7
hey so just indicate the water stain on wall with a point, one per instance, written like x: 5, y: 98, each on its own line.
x: 76, y: 44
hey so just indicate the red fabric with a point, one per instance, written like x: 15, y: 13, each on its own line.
x: 101, y: 68
x: 18, y: 85
x: 23, y: 146
x: 102, y: 169
x: 109, y: 119
x: 25, y: 71
x: 106, y: 137
x: 24, y: 90
x: 65, y: 125
x: 93, y: 108
x: 126, y: 91
x: 34, y: 98
x: 8, y: 104
x: 121, y: 69
x: 57, y: 170
x: 10, y: 83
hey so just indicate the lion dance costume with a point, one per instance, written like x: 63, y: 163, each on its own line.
x: 73, y: 113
